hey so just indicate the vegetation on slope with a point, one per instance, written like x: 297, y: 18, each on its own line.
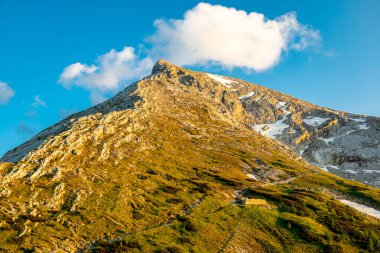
x: 168, y: 176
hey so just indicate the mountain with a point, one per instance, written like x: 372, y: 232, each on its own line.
x: 345, y: 144
x: 175, y: 163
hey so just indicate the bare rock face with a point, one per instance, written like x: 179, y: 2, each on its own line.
x: 122, y: 101
x: 341, y: 143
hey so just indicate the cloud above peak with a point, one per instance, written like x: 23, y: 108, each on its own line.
x: 208, y: 35
x: 6, y: 93
x: 214, y: 34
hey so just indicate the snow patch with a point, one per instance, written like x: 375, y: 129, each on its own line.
x: 247, y: 95
x: 315, y: 121
x: 280, y: 104
x: 251, y: 176
x: 360, y: 120
x: 222, y: 80
x: 352, y: 171
x: 273, y: 129
x: 371, y: 171
x: 331, y: 166
x: 334, y: 167
x: 303, y: 150
x: 363, y: 127
x: 362, y: 208
x: 328, y: 140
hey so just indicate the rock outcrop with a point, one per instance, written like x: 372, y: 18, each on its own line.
x: 345, y: 144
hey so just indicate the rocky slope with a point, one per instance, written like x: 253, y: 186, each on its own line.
x: 345, y: 144
x: 166, y: 166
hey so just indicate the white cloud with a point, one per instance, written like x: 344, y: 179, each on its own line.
x: 75, y: 71
x: 38, y: 102
x: 214, y: 34
x: 207, y: 35
x: 6, y: 93
x: 111, y: 72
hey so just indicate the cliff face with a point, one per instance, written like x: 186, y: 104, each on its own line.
x: 165, y: 165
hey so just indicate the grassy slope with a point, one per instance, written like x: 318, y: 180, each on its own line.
x: 170, y: 185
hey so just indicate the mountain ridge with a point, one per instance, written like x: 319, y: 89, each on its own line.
x: 260, y: 111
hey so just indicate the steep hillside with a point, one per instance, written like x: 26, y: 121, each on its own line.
x: 345, y: 144
x: 172, y: 164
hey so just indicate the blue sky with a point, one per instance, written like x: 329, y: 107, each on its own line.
x: 39, y: 39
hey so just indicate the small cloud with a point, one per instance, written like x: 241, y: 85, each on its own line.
x: 64, y: 113
x: 6, y: 93
x: 23, y: 129
x: 112, y: 71
x: 75, y: 71
x: 38, y: 102
x: 33, y: 109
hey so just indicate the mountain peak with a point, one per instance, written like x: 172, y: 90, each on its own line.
x: 163, y: 66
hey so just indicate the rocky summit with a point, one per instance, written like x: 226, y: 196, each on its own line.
x: 184, y: 161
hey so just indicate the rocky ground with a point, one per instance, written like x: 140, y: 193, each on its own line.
x: 157, y: 169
